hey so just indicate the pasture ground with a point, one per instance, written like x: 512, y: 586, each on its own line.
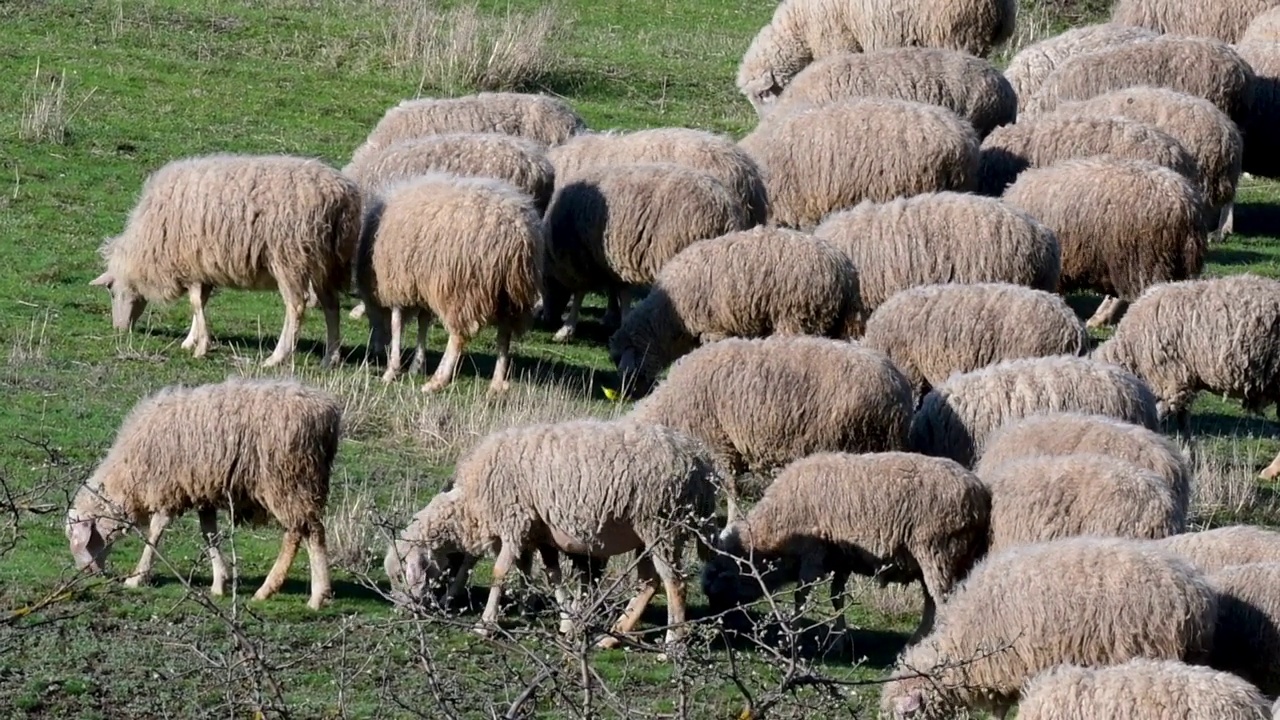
x: 98, y: 93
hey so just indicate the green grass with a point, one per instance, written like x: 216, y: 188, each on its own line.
x: 152, y: 80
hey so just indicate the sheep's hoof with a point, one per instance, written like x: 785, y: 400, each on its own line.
x: 357, y: 312
x: 1270, y: 472
x: 135, y: 581
x: 272, y: 361
x: 189, y: 343
x: 434, y: 385
x: 609, y: 642
x: 218, y: 590
x: 482, y: 630
x: 564, y: 334
x: 499, y: 388
x: 389, y: 376
x: 318, y: 601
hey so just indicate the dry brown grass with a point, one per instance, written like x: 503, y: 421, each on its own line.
x: 461, y: 48
x: 1226, y: 485
x: 46, y: 111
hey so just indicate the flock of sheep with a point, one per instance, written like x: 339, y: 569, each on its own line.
x: 861, y: 300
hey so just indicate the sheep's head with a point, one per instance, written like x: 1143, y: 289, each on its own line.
x: 736, y: 575
x: 763, y: 92
x: 913, y: 693
x: 127, y: 304
x: 91, y: 529
x: 429, y: 552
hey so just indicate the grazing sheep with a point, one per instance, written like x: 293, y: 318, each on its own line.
x: 1033, y: 64
x: 541, y: 118
x: 1071, y: 433
x: 1050, y: 139
x: 1086, y: 601
x: 1141, y: 690
x: 713, y: 154
x: 1225, y: 20
x: 1195, y: 66
x: 1247, y: 639
x: 802, y: 31
x: 614, y: 227
x: 940, y: 238
x: 762, y: 403
x: 760, y: 282
x: 237, y: 221
x: 540, y: 487
x: 933, y: 331
x: 894, y: 516
x: 966, y: 85
x: 1264, y: 28
x: 1160, y: 236
x: 1261, y: 141
x: 515, y: 160
x: 956, y: 418
x: 1220, y: 335
x: 466, y: 250
x: 818, y: 159
x: 1205, y: 131
x: 1220, y: 548
x: 1046, y: 497
x: 258, y: 449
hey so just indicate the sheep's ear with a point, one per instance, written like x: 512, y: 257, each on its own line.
x: 909, y: 704
x: 103, y: 280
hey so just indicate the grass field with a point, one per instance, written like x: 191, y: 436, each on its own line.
x: 98, y: 93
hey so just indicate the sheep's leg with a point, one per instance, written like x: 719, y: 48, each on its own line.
x: 460, y: 581
x: 1183, y: 418
x: 624, y: 302
x: 142, y: 573
x: 393, y: 347
x: 318, y: 558
x: 555, y: 578
x: 565, y: 333
x: 838, y: 581
x: 332, y: 329
x: 506, y: 558
x: 420, y: 352
x: 209, y: 530
x: 295, y: 306
x: 275, y: 578
x: 499, y: 383
x: 357, y: 312
x: 1227, y: 220
x: 673, y: 583
x: 1107, y: 312
x: 649, y: 578
x: 198, y: 337
x: 1271, y: 471
x: 448, y: 364
x: 613, y: 311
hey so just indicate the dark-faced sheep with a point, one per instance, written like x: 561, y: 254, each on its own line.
x: 819, y: 159
x: 958, y: 416
x: 1194, y: 65
x: 1086, y: 601
x: 941, y: 238
x: 1160, y: 236
x: 966, y: 85
x: 934, y: 331
x: 1033, y: 64
x: 760, y: 404
x: 237, y: 221
x: 894, y: 516
x: 756, y: 283
x: 1225, y: 20
x: 802, y: 31
x: 1247, y: 639
x: 1052, y: 434
x: 257, y: 449
x: 1141, y: 690
x: 466, y: 250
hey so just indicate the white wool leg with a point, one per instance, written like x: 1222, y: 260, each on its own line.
x: 673, y: 583
x: 275, y: 578
x: 332, y: 328
x: 294, y: 308
x: 499, y: 383
x: 393, y: 349
x: 198, y: 338
x: 448, y: 364
x: 318, y: 557
x: 506, y: 557
x: 142, y: 573
x: 209, y: 530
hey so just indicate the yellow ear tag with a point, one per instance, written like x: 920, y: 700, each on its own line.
x: 611, y: 394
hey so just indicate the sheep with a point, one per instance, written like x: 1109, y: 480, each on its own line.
x: 933, y: 331
x: 1087, y: 601
x: 1205, y: 131
x: 1220, y: 548
x: 1046, y: 497
x: 818, y: 159
x: 1261, y: 143
x: 1264, y: 28
x: 802, y: 31
x: 540, y: 487
x: 238, y: 221
x: 467, y: 250
x: 956, y: 418
x: 258, y: 449
x: 711, y: 153
x: 759, y: 282
x: 1033, y: 64
x: 1225, y: 20
x: 1247, y: 639
x: 615, y: 227
x: 1069, y: 433
x: 966, y: 85
x: 522, y: 163
x: 762, y: 403
x: 1220, y: 335
x: 1141, y: 690
x: 1049, y: 139
x: 541, y: 118
x: 1195, y: 66
x: 894, y: 516
x: 1161, y: 235
x: 938, y: 238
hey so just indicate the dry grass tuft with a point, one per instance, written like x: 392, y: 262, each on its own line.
x: 46, y: 112
x: 461, y: 49
x: 1226, y: 484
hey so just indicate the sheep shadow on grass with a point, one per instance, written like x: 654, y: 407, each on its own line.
x: 299, y: 588
x: 1256, y: 220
